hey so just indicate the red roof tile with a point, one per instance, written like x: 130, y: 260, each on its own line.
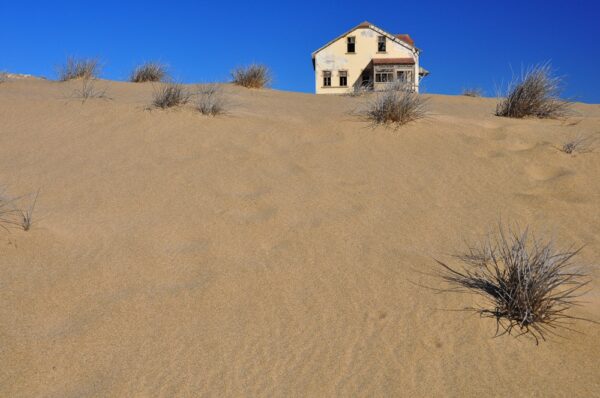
x: 406, y: 38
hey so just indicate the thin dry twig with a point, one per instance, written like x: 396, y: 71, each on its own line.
x: 88, y: 90
x: 210, y: 100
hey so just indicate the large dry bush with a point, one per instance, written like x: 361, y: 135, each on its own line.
x: 149, y: 72
x: 74, y: 68
x: 528, y: 285
x: 535, y: 93
x: 169, y: 95
x: 210, y: 100
x: 252, y: 76
x: 397, y: 105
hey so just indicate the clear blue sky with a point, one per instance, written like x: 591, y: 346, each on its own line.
x: 464, y: 43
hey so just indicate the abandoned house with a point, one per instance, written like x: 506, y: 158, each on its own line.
x: 367, y: 57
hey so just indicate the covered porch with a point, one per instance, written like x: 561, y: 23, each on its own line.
x: 381, y: 72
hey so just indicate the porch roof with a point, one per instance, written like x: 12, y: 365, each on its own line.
x: 393, y: 61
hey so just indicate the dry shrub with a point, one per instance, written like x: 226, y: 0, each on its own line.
x: 169, y: 95
x: 472, y: 92
x: 252, y: 76
x: 528, y: 285
x: 210, y: 100
x: 3, y: 77
x: 149, y: 72
x: 88, y: 90
x: 536, y: 93
x: 398, y: 105
x: 79, y: 68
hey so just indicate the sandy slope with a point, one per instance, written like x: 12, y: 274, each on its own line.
x: 271, y: 252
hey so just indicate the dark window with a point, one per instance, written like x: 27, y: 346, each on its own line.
x: 381, y: 44
x: 401, y: 76
x: 351, y: 44
x: 326, y: 78
x: 343, y: 78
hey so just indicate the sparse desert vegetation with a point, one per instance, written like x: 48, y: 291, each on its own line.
x: 252, y: 76
x: 210, y: 100
x: 149, y: 72
x: 169, y: 95
x: 3, y: 77
x: 472, y: 92
x: 397, y: 106
x: 535, y: 93
x: 12, y: 214
x: 79, y: 68
x: 529, y: 285
x: 88, y: 90
x: 579, y: 144
x: 200, y: 241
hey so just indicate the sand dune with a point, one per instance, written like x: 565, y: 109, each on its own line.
x: 276, y: 250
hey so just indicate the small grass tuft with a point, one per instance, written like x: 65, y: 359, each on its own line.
x: 252, y: 76
x: 79, y: 68
x: 169, y: 95
x: 210, y: 100
x: 472, y: 92
x: 88, y: 90
x: 579, y: 144
x: 26, y: 216
x: 536, y: 93
x: 397, y: 105
x: 528, y: 285
x: 12, y: 215
x: 149, y: 72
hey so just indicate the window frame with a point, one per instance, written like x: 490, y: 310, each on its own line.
x: 353, y: 43
x: 343, y: 74
x: 326, y: 78
x: 387, y: 72
x: 381, y: 40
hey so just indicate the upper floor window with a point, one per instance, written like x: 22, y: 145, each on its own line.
x: 351, y: 44
x: 381, y: 44
x: 326, y: 78
x: 343, y: 78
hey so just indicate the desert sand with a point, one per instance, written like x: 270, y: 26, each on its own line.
x: 278, y: 250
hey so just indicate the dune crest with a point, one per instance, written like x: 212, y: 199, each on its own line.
x: 277, y: 249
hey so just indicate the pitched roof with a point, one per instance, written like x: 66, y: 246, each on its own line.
x: 393, y: 61
x: 404, y: 39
